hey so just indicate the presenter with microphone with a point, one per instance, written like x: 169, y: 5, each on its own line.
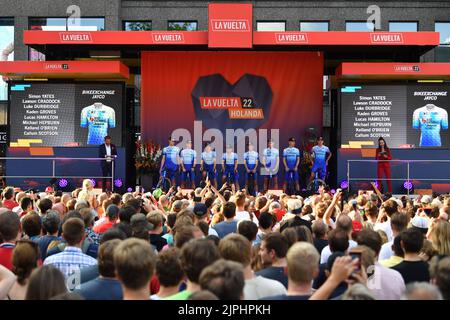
x: 383, y: 166
x: 109, y: 151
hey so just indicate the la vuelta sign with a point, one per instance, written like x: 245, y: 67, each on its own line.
x: 230, y: 25
x: 75, y: 37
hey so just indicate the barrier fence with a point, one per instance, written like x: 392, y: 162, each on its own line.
x: 54, y: 174
x: 408, y: 171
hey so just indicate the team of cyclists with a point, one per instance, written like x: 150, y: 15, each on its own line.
x: 175, y: 160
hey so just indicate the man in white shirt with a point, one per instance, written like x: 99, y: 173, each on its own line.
x: 385, y: 283
x: 236, y: 247
x: 388, y: 208
x: 345, y: 224
x: 399, y: 222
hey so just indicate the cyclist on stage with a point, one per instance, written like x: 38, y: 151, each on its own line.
x: 229, y: 166
x: 321, y: 155
x: 170, y: 160
x: 271, y: 161
x: 187, y: 163
x: 208, y: 164
x: 291, y: 159
x: 251, y: 164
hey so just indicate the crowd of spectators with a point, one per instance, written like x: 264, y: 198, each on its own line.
x: 224, y: 244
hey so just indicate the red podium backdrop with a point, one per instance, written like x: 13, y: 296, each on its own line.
x: 231, y: 90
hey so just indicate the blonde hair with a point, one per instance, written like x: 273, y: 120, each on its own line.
x: 302, y: 262
x: 320, y: 209
x: 86, y: 193
x: 440, y: 237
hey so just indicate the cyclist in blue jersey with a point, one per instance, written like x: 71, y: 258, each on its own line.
x: 208, y: 164
x: 251, y: 160
x: 170, y: 160
x: 271, y: 162
x: 229, y: 166
x: 321, y: 155
x: 291, y: 159
x: 188, y: 160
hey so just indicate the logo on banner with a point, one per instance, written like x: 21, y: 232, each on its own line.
x: 230, y: 25
x: 75, y: 37
x: 386, y: 38
x: 291, y: 38
x: 56, y: 66
x: 164, y: 37
x: 406, y: 68
x: 221, y: 104
x: 238, y: 108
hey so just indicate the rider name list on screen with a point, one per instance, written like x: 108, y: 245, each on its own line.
x: 65, y: 114
x: 408, y: 116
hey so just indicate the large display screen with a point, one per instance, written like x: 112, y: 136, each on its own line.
x: 407, y: 116
x: 231, y: 97
x: 65, y: 114
x: 6, y: 54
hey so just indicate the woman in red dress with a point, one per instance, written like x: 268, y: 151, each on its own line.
x: 384, y: 167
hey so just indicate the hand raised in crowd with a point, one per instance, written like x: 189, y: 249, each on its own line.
x: 343, y: 268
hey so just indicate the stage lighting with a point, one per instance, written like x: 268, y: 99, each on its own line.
x: 130, y: 190
x: 408, y: 185
x: 333, y: 191
x: 62, y: 183
x: 118, y: 183
x: 94, y: 183
x: 344, y: 184
x: 376, y: 184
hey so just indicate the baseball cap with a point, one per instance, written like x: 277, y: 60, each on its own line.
x: 357, y: 226
x: 49, y: 190
x: 436, y: 203
x: 200, y: 209
x: 419, y: 222
x: 294, y: 204
x: 426, y: 199
x: 140, y: 220
x: 172, y: 139
x: 279, y: 213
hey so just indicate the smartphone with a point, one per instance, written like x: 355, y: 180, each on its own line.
x: 427, y: 211
x: 356, y: 254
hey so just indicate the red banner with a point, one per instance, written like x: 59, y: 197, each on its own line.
x: 249, y: 91
x: 230, y: 25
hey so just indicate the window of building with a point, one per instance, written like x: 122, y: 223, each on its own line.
x: 182, y: 25
x: 314, y: 26
x: 270, y: 26
x: 62, y: 24
x: 444, y: 32
x: 137, y: 25
x: 6, y: 50
x: 442, y: 53
x: 359, y: 26
x: 402, y: 26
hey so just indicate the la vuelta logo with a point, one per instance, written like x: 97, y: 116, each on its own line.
x: 75, y: 37
x: 164, y: 37
x: 291, y: 38
x: 230, y: 25
x: 386, y: 38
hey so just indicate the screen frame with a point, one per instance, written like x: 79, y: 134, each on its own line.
x: 74, y: 82
x: 378, y: 83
